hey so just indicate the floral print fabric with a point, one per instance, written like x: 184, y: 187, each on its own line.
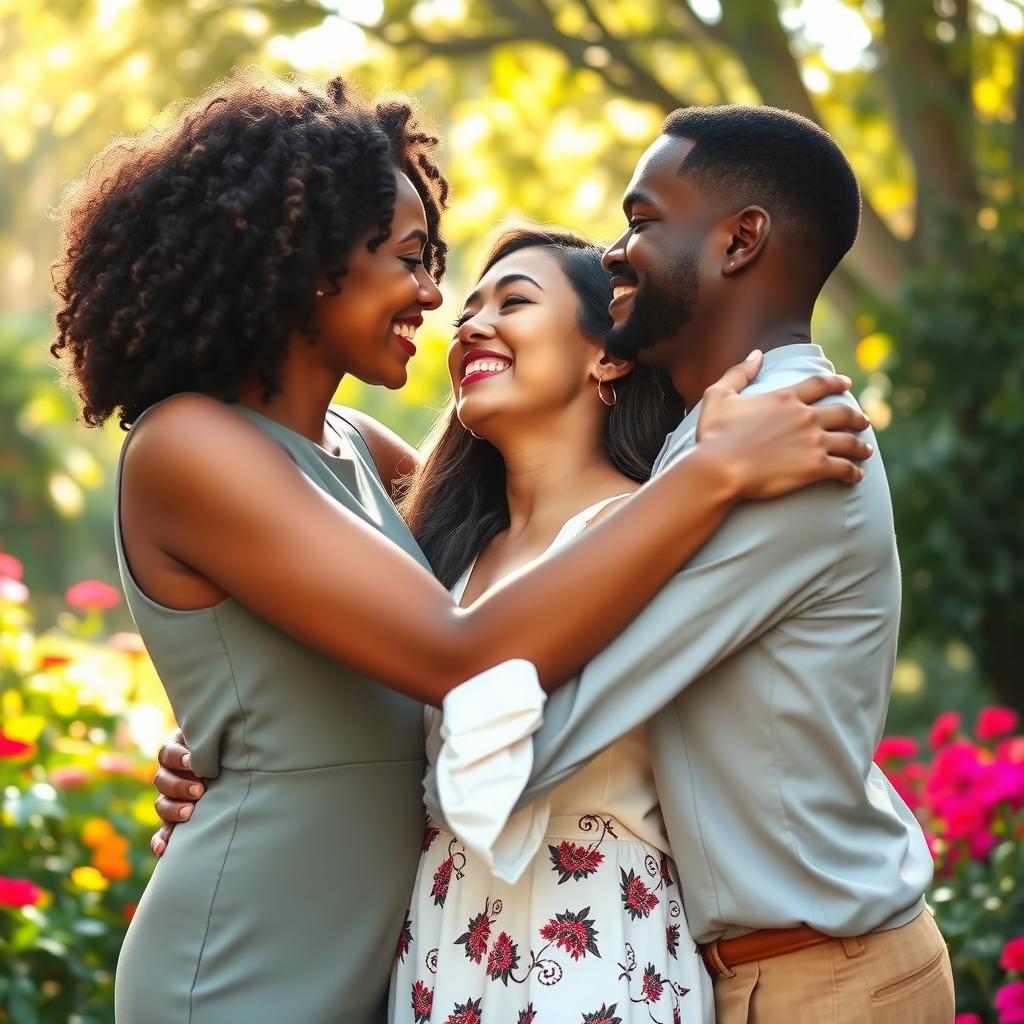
x: 593, y: 933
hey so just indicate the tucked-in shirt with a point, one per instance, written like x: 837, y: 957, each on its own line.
x: 763, y: 671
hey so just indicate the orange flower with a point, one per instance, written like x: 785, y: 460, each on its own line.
x: 111, y: 864
x: 97, y: 832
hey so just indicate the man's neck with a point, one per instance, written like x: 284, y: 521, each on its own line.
x: 699, y: 363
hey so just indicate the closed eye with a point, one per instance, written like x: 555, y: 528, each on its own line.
x: 514, y: 300
x: 412, y: 262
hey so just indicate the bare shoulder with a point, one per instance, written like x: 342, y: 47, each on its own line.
x: 189, y: 437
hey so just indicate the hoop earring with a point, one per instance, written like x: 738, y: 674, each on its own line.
x: 600, y: 392
x: 472, y: 433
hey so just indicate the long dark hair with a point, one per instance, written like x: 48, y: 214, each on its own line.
x: 457, y: 501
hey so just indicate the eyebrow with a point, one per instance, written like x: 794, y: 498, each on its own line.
x: 636, y: 196
x: 503, y: 282
x: 416, y: 234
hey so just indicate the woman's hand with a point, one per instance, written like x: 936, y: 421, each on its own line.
x: 179, y: 789
x: 779, y: 441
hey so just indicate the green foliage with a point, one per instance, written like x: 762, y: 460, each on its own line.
x: 953, y: 448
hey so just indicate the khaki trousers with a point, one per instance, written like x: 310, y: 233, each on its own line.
x: 901, y: 976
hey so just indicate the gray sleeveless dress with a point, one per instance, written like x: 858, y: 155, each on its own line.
x: 283, y: 897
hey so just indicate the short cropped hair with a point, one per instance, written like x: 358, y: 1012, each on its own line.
x: 782, y: 161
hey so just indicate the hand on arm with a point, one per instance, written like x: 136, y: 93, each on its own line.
x: 321, y: 565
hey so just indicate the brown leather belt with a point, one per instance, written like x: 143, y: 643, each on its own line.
x: 722, y: 956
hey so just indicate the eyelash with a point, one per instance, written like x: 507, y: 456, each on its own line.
x: 411, y: 261
x: 513, y: 300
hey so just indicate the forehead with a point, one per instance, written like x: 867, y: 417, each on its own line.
x: 408, y: 204
x: 537, y: 262
x: 656, y: 177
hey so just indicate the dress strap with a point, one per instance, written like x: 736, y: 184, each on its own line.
x: 578, y: 523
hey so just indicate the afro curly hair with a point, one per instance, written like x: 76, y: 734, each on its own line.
x: 190, y: 254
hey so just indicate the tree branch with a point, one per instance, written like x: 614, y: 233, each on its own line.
x: 753, y: 29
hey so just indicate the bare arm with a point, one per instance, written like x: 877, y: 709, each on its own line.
x: 393, y: 456
x: 211, y: 505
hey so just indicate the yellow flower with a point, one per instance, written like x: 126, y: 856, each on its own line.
x: 96, y: 832
x: 89, y: 879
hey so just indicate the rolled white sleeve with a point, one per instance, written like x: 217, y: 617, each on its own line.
x: 485, y: 760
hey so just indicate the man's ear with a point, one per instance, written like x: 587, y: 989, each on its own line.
x: 608, y: 368
x: 749, y: 230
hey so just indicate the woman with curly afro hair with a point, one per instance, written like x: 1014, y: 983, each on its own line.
x: 217, y: 280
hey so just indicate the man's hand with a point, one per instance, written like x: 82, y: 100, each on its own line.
x: 179, y: 789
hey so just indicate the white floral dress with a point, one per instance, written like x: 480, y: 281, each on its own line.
x: 591, y: 931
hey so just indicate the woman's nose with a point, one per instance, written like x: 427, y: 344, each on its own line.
x: 474, y: 330
x: 429, y: 295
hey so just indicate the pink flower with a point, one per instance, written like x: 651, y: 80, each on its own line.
x: 1009, y: 1002
x: 10, y: 567
x: 13, y: 591
x: 996, y: 721
x: 895, y: 747
x: 945, y: 727
x: 127, y: 643
x: 69, y: 776
x: 1013, y: 955
x: 18, y: 892
x: 14, y: 748
x: 92, y: 595
x: 967, y: 1018
x: 115, y: 764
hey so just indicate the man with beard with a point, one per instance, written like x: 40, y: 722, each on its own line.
x: 764, y: 669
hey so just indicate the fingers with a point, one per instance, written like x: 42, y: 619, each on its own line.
x: 842, y: 469
x: 815, y: 388
x: 175, y: 756
x: 739, y: 376
x: 840, y: 416
x: 173, y: 811
x: 847, y: 445
x: 178, y: 787
x: 159, y: 840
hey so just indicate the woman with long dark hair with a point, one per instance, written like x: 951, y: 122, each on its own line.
x: 593, y: 925
x: 217, y: 279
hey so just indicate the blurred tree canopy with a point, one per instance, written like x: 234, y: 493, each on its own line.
x: 546, y: 105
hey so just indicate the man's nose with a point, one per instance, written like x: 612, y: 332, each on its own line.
x: 615, y: 254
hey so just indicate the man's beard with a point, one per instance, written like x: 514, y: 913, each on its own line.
x: 660, y: 308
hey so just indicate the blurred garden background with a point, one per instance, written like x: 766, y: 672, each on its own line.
x: 545, y: 106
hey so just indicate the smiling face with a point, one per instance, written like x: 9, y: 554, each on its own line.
x: 368, y: 327
x: 656, y: 262
x: 519, y: 351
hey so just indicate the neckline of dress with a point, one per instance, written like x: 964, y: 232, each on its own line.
x: 581, y: 518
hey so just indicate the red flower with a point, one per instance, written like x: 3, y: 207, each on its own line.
x: 1013, y: 955
x: 637, y: 900
x: 606, y: 1015
x: 666, y: 870
x: 677, y: 1015
x: 572, y: 861
x: 404, y: 939
x: 468, y: 1012
x: 996, y: 721
x: 899, y: 747
x: 14, y: 748
x: 475, y: 937
x: 429, y: 835
x: 92, y: 595
x: 442, y: 879
x: 967, y: 1018
x: 945, y: 727
x: 672, y: 939
x: 10, y: 567
x: 527, y: 1016
x: 653, y: 985
x: 128, y: 912
x: 503, y: 960
x: 1009, y: 1002
x: 18, y: 892
x: 422, y: 1002
x: 575, y: 933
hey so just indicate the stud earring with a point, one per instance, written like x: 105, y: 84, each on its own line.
x: 320, y: 293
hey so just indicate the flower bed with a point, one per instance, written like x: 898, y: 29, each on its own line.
x: 83, y: 715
